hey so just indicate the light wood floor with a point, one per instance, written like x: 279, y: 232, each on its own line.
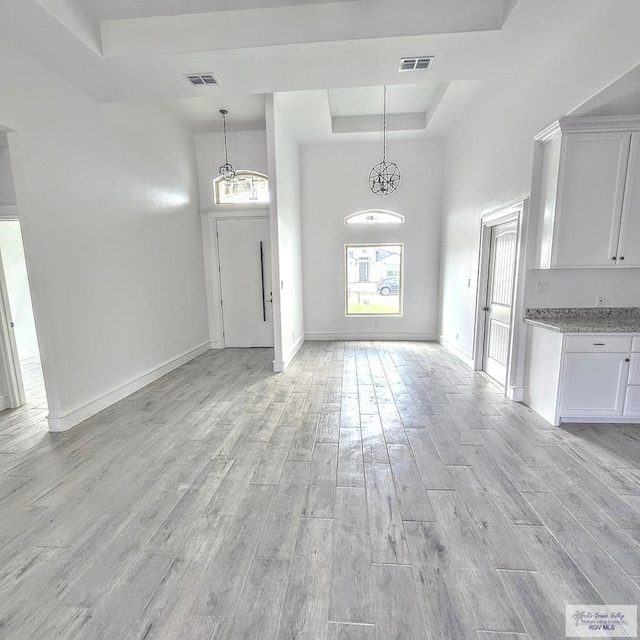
x: 374, y: 491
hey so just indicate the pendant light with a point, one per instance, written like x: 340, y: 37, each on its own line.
x: 384, y: 178
x: 227, y: 172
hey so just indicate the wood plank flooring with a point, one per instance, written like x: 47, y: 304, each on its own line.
x: 374, y: 491
x: 23, y: 428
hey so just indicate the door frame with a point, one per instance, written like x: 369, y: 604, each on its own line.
x: 209, y: 218
x: 514, y: 383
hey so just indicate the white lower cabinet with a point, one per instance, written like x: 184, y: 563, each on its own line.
x: 593, y: 385
x: 587, y: 377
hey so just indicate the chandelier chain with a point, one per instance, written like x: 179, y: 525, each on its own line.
x: 384, y: 126
x: 226, y: 171
x: 224, y: 124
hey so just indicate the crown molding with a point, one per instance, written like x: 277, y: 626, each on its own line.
x: 549, y: 133
x: 592, y: 124
x: 600, y: 124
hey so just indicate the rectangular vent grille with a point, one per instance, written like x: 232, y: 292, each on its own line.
x: 415, y: 64
x: 200, y: 79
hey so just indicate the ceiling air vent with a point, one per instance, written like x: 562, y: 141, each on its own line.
x: 415, y: 64
x: 200, y: 79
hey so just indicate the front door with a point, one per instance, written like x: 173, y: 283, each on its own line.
x: 245, y: 279
x: 499, y: 301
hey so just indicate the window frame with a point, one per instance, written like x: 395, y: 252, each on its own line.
x: 347, y: 247
x: 241, y: 205
x: 352, y: 218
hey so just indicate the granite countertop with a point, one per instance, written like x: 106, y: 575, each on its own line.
x: 586, y: 320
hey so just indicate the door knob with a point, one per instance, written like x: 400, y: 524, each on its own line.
x: 485, y: 308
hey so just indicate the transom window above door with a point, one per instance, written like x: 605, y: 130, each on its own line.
x: 247, y: 188
x: 374, y: 216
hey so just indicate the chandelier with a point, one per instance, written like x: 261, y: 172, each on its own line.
x: 384, y: 178
x: 227, y: 172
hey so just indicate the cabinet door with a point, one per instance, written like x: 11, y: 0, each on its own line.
x: 629, y: 246
x: 590, y: 193
x: 632, y: 402
x: 593, y: 385
x: 634, y: 369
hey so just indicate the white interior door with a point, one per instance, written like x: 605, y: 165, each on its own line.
x: 499, y: 301
x: 245, y: 280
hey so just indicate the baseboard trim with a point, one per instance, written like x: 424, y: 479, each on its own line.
x: 4, y: 403
x: 418, y: 337
x: 596, y: 420
x: 63, y: 421
x: 456, y: 351
x: 281, y: 365
x: 515, y: 393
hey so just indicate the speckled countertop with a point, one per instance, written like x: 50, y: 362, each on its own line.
x: 587, y: 320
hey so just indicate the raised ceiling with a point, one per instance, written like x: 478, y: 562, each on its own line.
x: 620, y: 98
x: 121, y: 9
x: 334, y: 56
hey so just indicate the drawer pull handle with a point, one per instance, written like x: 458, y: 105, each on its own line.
x: 598, y: 344
x: 627, y: 359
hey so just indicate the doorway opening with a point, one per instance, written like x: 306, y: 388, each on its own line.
x: 21, y: 343
x: 498, y: 303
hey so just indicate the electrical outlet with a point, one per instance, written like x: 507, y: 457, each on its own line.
x: 542, y: 287
x: 601, y: 300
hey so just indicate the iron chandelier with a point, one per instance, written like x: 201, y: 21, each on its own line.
x: 384, y: 178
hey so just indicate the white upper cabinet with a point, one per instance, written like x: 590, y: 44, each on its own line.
x: 593, y: 167
x: 590, y: 194
x: 629, y: 245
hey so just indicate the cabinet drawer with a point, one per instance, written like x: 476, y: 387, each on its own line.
x: 595, y: 343
x: 635, y: 345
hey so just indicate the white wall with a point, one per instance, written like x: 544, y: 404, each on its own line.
x: 489, y: 164
x: 7, y: 191
x: 335, y: 183
x: 286, y: 232
x: 108, y: 199
x: 575, y: 288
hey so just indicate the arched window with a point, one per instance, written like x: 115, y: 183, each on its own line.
x: 247, y: 188
x: 374, y: 216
